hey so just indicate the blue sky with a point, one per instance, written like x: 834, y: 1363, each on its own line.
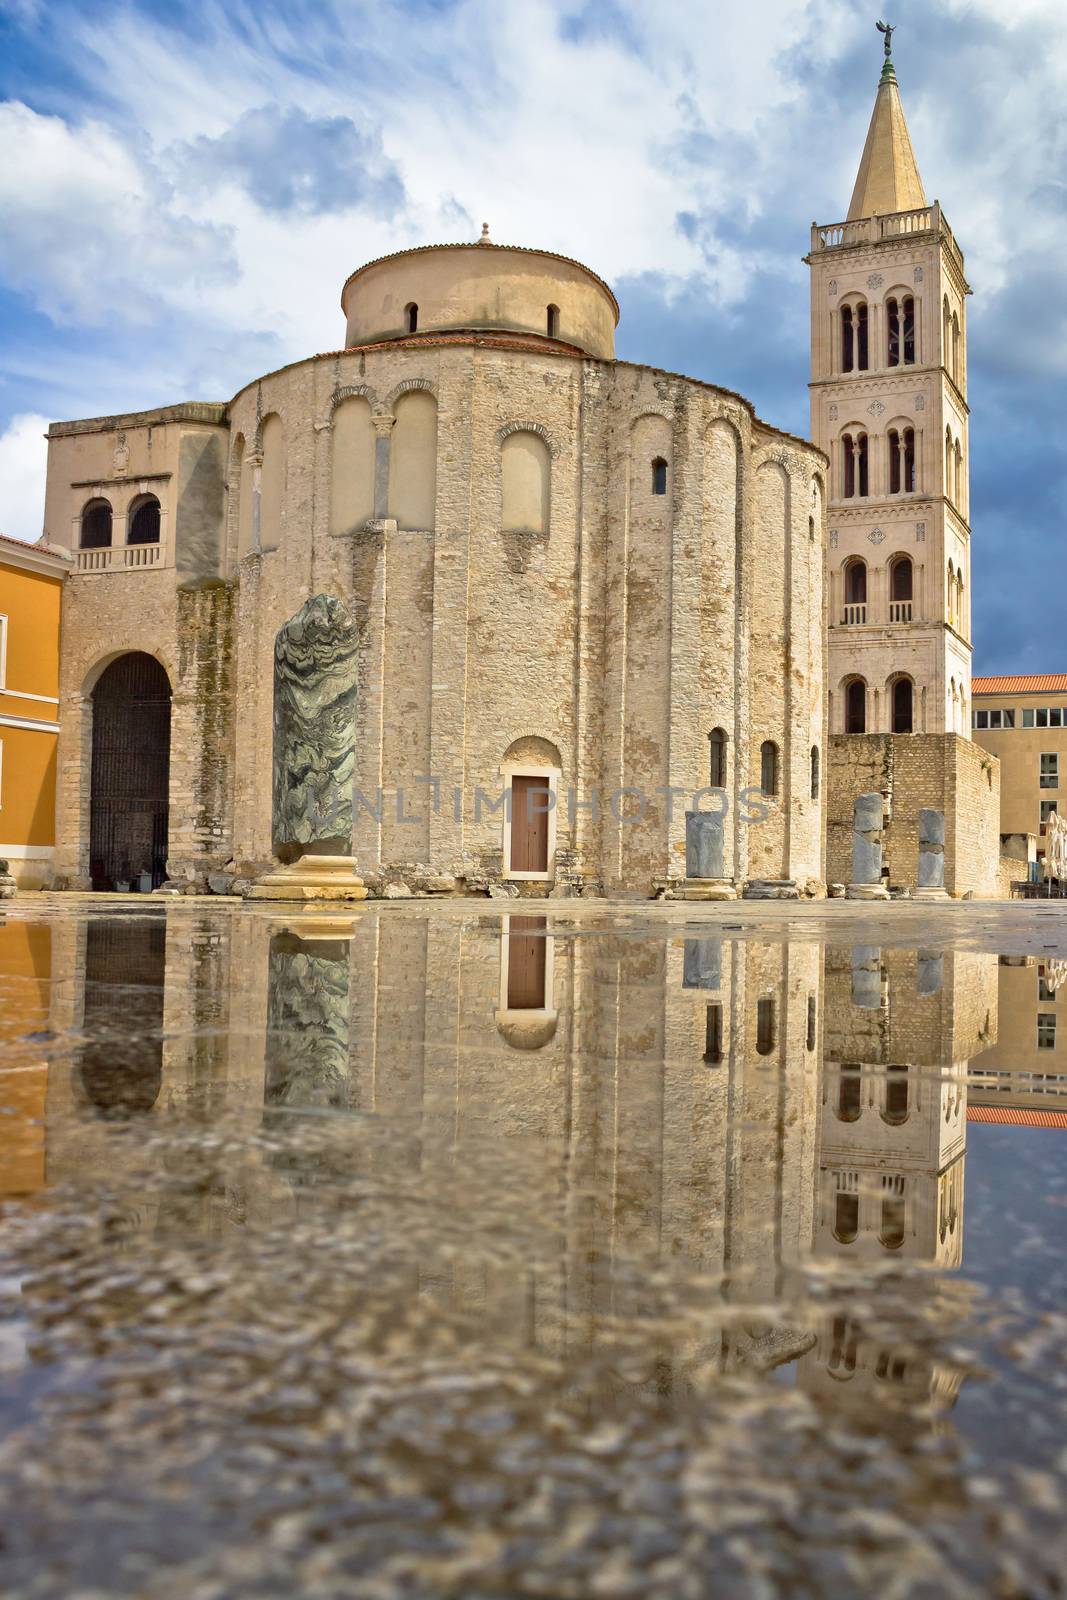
x: 185, y: 187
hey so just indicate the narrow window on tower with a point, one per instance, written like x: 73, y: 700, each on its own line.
x: 848, y: 452
x: 909, y: 460
x: 893, y: 444
x: 659, y: 476
x: 861, y: 338
x: 848, y: 336
x: 892, y: 322
x: 553, y: 322
x: 907, y: 332
x: 861, y: 465
x: 411, y: 317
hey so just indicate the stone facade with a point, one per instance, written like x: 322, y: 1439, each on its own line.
x: 915, y: 772
x: 556, y: 564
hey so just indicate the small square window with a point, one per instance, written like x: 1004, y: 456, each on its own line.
x: 1046, y: 1030
x: 1041, y: 716
x: 981, y: 719
x: 994, y: 719
x: 1054, y: 717
x: 1009, y: 719
x: 1047, y: 808
x: 1028, y: 719
x: 1050, y: 772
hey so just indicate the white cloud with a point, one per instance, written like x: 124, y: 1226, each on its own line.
x: 22, y: 462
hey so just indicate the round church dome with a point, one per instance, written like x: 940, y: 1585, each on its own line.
x: 484, y: 288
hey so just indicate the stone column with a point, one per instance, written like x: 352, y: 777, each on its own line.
x: 705, y: 858
x: 383, y: 429
x: 931, y: 856
x: 867, y: 849
x: 867, y: 977
x: 315, y: 670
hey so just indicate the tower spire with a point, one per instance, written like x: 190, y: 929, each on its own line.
x: 888, y: 179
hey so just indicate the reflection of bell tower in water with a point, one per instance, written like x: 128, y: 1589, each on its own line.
x: 889, y: 408
x: 900, y: 1029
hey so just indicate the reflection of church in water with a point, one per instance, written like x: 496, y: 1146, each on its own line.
x: 742, y: 1112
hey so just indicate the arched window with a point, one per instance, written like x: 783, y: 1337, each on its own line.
x: 892, y: 440
x: 961, y: 615
x: 96, y: 525
x: 946, y: 335
x: 854, y: 452
x: 849, y: 1087
x: 659, y: 476
x: 908, y: 461
x: 855, y: 591
x: 717, y: 762
x: 900, y: 445
x: 901, y: 580
x: 411, y: 317
x: 768, y: 756
x: 949, y: 474
x: 861, y: 337
x: 143, y: 526
x: 896, y: 1095
x: 956, y: 348
x: 766, y: 1025
x: 951, y: 594
x: 891, y: 1233
x: 552, y: 322
x: 848, y: 339
x: 907, y: 331
x: 903, y: 706
x: 842, y: 1362
x: 892, y: 329
x: 814, y: 772
x: 958, y: 476
x: 846, y: 1217
x: 856, y: 707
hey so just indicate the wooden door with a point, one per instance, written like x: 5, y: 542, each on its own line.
x: 529, y: 824
x: 527, y: 951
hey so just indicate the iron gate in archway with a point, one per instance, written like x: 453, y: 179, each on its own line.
x: 130, y: 774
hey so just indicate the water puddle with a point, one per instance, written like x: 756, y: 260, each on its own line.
x: 422, y: 1254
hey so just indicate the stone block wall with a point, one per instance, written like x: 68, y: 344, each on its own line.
x: 940, y: 771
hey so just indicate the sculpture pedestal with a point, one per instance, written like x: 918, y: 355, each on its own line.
x: 930, y: 893
x: 312, y: 878
x: 866, y: 891
x: 704, y: 889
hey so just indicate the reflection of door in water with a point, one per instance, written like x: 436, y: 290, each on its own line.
x: 529, y: 824
x: 527, y: 949
x: 130, y: 773
x: 122, y: 1058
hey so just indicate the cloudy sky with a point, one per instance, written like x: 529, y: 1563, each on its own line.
x: 185, y: 185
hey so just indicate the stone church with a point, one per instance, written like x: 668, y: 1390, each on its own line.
x: 471, y: 604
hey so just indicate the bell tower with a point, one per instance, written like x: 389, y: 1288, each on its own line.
x: 889, y: 408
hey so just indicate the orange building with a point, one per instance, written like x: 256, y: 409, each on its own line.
x: 31, y: 589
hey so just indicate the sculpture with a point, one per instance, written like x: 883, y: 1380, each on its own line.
x: 888, y: 28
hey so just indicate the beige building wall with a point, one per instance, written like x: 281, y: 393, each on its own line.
x: 1027, y: 1068
x: 1033, y: 760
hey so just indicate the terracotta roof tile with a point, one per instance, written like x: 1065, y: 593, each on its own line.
x: 1021, y: 683
x: 1017, y: 1116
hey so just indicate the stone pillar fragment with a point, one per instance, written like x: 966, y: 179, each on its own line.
x: 867, y: 977
x: 315, y: 665
x: 705, y: 858
x: 702, y: 964
x: 931, y: 856
x: 867, y: 849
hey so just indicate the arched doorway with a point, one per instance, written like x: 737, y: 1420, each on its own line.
x: 130, y: 774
